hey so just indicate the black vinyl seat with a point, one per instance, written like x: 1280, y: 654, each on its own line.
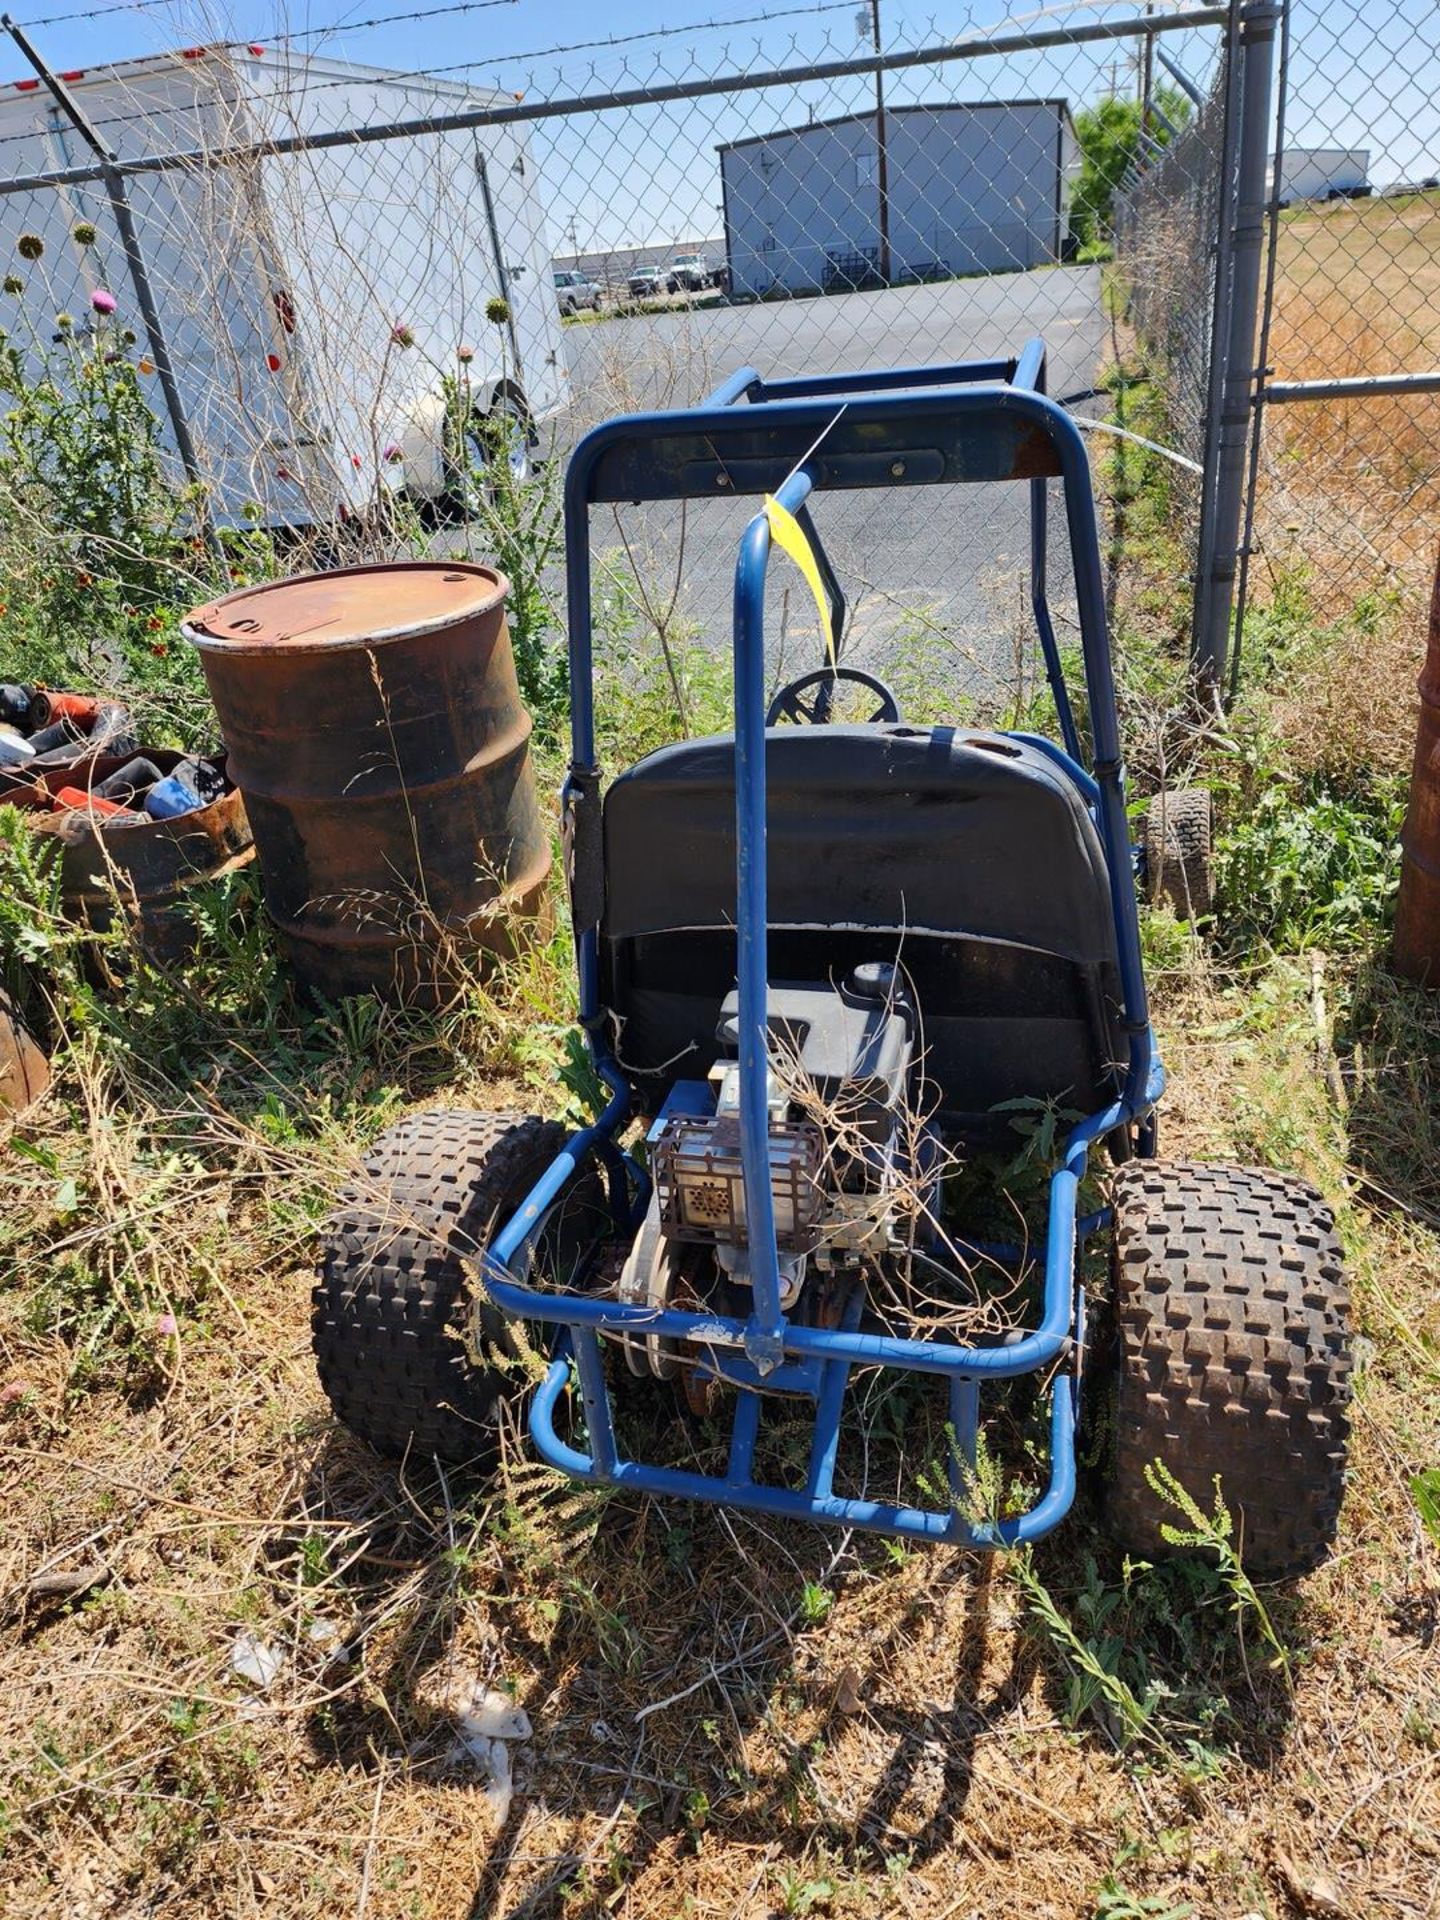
x: 967, y: 856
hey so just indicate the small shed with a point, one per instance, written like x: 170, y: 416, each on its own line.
x: 918, y: 193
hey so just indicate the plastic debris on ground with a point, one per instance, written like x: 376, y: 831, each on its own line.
x: 253, y: 1661
x: 488, y: 1723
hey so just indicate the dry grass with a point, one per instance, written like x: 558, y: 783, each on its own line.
x: 729, y: 1718
x: 1352, y: 487
x: 1353, y: 708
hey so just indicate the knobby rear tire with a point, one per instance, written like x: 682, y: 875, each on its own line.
x: 1234, y: 1358
x: 399, y: 1272
x: 1179, y: 851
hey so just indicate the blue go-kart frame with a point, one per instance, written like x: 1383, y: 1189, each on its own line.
x: 987, y: 420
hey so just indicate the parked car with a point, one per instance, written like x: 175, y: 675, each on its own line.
x: 650, y: 283
x: 574, y: 292
x: 692, y: 272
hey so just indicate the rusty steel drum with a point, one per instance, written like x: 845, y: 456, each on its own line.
x: 146, y: 869
x: 374, y: 725
x: 1417, y: 910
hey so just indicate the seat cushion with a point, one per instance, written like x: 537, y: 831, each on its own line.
x: 969, y: 856
x: 894, y: 826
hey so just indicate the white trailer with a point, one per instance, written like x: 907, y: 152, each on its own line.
x: 324, y: 310
x: 1321, y: 173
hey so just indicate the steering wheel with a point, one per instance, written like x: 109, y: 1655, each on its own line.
x: 807, y: 701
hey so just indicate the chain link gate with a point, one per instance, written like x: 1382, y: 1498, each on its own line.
x: 1345, y: 474
x: 1338, y: 386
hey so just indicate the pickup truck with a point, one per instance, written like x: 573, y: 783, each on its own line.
x: 650, y: 283
x: 573, y: 291
x: 691, y: 272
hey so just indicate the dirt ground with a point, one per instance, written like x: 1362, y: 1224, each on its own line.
x: 725, y: 1717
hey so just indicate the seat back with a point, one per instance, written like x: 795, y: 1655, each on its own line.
x: 969, y: 857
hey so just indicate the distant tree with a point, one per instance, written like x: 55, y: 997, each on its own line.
x: 1109, y: 136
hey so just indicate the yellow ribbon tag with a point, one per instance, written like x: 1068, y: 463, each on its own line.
x: 786, y: 532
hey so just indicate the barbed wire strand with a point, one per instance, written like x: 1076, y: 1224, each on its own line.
x: 306, y: 85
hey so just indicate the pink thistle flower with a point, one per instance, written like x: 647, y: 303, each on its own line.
x: 167, y: 1326
x: 465, y: 355
x: 402, y: 335
x: 102, y: 301
x: 391, y: 454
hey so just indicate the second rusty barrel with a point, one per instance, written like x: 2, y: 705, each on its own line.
x: 375, y: 727
x: 1417, y: 909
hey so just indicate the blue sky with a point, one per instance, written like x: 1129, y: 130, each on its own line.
x: 1365, y: 73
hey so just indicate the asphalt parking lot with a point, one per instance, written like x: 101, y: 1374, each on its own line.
x: 944, y: 567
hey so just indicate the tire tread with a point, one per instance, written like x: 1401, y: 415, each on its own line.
x: 1233, y: 1316
x: 392, y: 1290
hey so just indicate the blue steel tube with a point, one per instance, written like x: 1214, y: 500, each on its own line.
x: 869, y: 1516
x: 1105, y: 740
x: 735, y: 388
x: 1030, y: 373
x: 577, y: 592
x: 764, y: 1335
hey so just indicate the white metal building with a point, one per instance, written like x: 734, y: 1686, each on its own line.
x: 972, y: 187
x: 1320, y: 173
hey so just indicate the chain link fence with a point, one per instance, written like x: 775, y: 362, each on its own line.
x: 326, y: 258
x: 1345, y: 474
x: 1348, y: 486
x: 1167, y: 222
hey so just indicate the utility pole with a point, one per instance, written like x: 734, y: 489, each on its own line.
x: 882, y: 158
x: 1147, y: 71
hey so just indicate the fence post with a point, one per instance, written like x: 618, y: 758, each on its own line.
x: 1232, y: 364
x: 114, y: 181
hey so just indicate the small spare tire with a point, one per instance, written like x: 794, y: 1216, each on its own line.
x: 1179, y: 852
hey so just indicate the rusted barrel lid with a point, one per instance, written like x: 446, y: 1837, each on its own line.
x: 351, y: 607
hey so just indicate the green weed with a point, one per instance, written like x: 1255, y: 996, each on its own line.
x: 800, y: 1894
x: 654, y: 681
x: 1214, y: 1533
x: 1092, y: 1655
x: 1160, y: 1657
x: 1310, y: 866
x: 1425, y: 1492
x: 815, y: 1604
x: 518, y: 514
x: 1115, y: 1902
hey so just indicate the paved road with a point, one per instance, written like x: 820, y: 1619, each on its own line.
x: 938, y: 573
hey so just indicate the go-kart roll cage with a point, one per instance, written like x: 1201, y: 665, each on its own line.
x: 911, y: 426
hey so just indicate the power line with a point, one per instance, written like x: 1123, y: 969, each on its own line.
x: 391, y: 19
x: 298, y: 33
